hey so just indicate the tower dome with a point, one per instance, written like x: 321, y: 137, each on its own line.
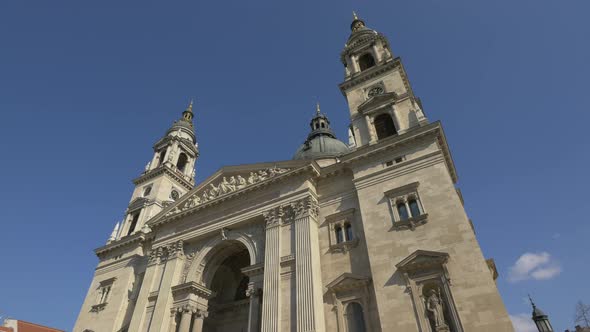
x: 321, y: 142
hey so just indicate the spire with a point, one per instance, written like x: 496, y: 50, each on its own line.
x: 317, y: 108
x: 357, y: 23
x: 187, y: 115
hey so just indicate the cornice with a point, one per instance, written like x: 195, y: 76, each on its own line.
x: 368, y: 74
x: 383, y: 146
x: 125, y: 241
x: 164, y: 169
x: 167, y: 139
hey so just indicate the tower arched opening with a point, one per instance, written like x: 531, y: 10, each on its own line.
x: 182, y: 162
x: 366, y: 61
x: 384, y: 126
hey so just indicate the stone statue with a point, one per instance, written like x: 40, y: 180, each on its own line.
x: 193, y: 173
x: 224, y: 186
x: 253, y: 178
x: 241, y: 182
x: 434, y: 306
x: 213, y: 191
x: 232, y: 184
x: 262, y: 174
x: 147, y: 166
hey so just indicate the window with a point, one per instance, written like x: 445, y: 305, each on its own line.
x: 348, y: 232
x: 174, y: 195
x: 342, y: 231
x: 182, y: 161
x: 147, y: 190
x: 384, y: 126
x: 406, y: 207
x: 103, y: 294
x: 414, y: 209
x: 133, y: 223
x: 402, y: 211
x: 355, y: 318
x: 366, y: 61
x: 339, y: 235
x: 162, y: 154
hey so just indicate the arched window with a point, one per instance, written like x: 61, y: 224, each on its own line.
x: 366, y: 61
x: 402, y: 211
x: 182, y: 161
x: 348, y: 231
x: 339, y: 234
x: 161, y: 156
x: 414, y: 208
x: 384, y: 126
x: 354, y: 317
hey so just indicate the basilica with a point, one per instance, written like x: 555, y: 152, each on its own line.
x: 367, y: 235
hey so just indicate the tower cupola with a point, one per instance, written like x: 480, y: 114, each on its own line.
x: 540, y: 318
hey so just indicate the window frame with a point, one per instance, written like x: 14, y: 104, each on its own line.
x: 102, y: 300
x: 402, y: 196
x: 340, y: 221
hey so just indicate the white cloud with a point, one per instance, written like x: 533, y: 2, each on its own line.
x: 523, y: 323
x: 538, y: 266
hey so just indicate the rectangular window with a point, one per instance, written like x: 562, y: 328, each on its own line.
x: 133, y: 223
x: 406, y: 207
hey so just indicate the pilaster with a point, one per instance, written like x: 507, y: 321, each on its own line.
x: 172, y: 271
x: 310, y: 311
x: 139, y: 313
x: 271, y: 303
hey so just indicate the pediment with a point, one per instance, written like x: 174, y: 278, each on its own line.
x: 377, y: 102
x: 229, y: 181
x: 423, y: 259
x: 348, y: 281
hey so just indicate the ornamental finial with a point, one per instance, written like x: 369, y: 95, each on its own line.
x: 317, y: 108
x: 354, y: 15
x: 190, y: 106
x: 530, y: 299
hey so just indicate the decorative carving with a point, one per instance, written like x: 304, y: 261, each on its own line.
x: 253, y: 291
x: 224, y: 232
x: 187, y: 264
x: 305, y: 207
x: 273, y: 216
x: 147, y: 166
x: 156, y: 255
x: 434, y: 306
x: 226, y: 186
x: 175, y: 249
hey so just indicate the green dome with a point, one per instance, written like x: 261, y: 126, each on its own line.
x: 321, y: 142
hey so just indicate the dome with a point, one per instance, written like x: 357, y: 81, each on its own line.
x: 321, y: 146
x: 321, y: 142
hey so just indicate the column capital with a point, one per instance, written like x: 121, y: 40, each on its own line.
x: 305, y: 207
x: 253, y: 291
x: 155, y: 256
x: 273, y: 216
x: 175, y: 249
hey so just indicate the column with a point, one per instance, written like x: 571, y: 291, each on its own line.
x: 171, y: 274
x: 271, y: 302
x: 254, y: 312
x: 377, y: 54
x: 310, y: 311
x: 199, y: 317
x: 148, y: 283
x: 185, y: 319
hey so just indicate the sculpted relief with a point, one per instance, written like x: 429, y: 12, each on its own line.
x: 226, y: 186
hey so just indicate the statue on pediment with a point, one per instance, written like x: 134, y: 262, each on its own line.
x: 241, y: 182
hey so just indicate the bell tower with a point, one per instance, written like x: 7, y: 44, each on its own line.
x: 376, y: 87
x: 169, y: 175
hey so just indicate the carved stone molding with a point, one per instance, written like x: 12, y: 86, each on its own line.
x: 273, y: 216
x: 156, y: 255
x: 226, y: 186
x: 305, y: 207
x: 175, y: 249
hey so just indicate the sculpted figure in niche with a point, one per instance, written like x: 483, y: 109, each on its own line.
x: 213, y: 191
x: 434, y: 306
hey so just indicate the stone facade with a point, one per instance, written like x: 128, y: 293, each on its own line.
x: 374, y: 239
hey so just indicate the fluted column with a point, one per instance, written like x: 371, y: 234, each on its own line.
x: 310, y: 312
x: 185, y: 319
x: 271, y: 302
x: 171, y: 274
x: 151, y: 273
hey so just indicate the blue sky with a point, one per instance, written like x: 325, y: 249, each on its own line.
x: 86, y: 88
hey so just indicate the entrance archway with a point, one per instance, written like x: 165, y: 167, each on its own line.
x: 229, y: 306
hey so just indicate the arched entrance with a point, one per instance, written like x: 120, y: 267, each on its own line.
x: 229, y: 306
